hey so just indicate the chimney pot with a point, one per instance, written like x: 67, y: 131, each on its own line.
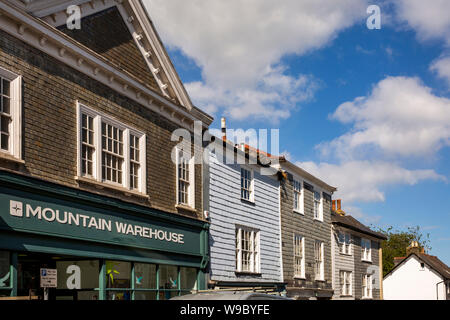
x: 334, y: 205
x: 339, y: 204
x: 224, y: 128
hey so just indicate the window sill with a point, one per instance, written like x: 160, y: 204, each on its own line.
x: 299, y: 212
x: 317, y: 219
x: 319, y: 280
x: 367, y: 261
x: 366, y: 298
x: 9, y: 157
x: 346, y: 254
x: 185, y: 207
x: 248, y: 273
x: 346, y: 295
x: 251, y: 202
x: 299, y: 277
x: 104, y: 185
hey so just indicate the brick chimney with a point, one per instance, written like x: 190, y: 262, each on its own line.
x: 414, y: 248
x: 336, y: 205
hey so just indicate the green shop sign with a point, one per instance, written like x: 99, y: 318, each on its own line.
x: 44, y: 215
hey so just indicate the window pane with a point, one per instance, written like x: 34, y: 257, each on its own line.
x: 5, y: 142
x: 6, y: 105
x: 168, y: 277
x: 188, y: 278
x: 145, y: 276
x: 4, y: 269
x: 6, y: 87
x: 78, y: 274
x: 118, y: 274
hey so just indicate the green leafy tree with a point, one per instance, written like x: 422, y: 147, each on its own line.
x: 397, y: 242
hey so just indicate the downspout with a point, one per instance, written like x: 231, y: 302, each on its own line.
x: 437, y: 289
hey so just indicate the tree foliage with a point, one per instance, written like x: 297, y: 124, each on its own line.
x: 397, y: 242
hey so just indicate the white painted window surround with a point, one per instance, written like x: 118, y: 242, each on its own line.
x: 247, y: 184
x: 367, y: 286
x: 299, y: 256
x: 247, y: 250
x: 110, y: 152
x: 319, y: 260
x: 318, y: 204
x: 10, y: 114
x: 298, y: 196
x: 366, y: 250
x: 185, y: 178
x: 345, y: 242
x: 346, y: 279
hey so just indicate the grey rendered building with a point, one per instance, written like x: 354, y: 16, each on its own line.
x: 357, y: 258
x: 305, y: 215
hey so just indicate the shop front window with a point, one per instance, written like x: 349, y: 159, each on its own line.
x: 5, y: 274
x: 168, y: 282
x: 145, y: 281
x: 188, y: 280
x: 118, y: 279
x: 81, y: 276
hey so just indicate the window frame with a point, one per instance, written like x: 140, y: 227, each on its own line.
x: 319, y: 216
x: 366, y: 252
x: 344, y: 244
x: 343, y: 276
x: 251, y: 189
x: 255, y: 254
x: 99, y: 118
x: 367, y: 286
x: 321, y: 276
x: 300, y: 275
x: 15, y: 124
x: 300, y: 208
x: 191, y: 183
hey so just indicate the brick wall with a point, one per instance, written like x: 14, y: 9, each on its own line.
x: 50, y: 91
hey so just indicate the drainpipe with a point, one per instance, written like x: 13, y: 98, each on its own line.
x: 437, y: 289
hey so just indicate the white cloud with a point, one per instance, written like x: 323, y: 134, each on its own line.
x: 273, y: 99
x: 239, y: 44
x: 366, y: 180
x: 400, y: 117
x: 429, y: 18
x: 442, y: 67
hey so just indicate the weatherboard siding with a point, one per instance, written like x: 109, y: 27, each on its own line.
x: 355, y: 264
x: 228, y: 210
x: 304, y: 225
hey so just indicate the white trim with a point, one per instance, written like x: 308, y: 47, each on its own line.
x: 363, y: 250
x: 191, y: 187
x: 98, y: 119
x: 15, y: 126
x: 301, y: 209
x: 252, y: 183
x: 320, y: 213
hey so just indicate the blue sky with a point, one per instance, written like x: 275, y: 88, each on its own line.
x: 300, y: 67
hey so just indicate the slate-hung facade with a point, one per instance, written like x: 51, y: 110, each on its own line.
x: 88, y: 186
x: 357, y: 258
x: 305, y: 213
x: 243, y: 205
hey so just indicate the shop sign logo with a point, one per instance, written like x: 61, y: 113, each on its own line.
x: 16, y: 208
